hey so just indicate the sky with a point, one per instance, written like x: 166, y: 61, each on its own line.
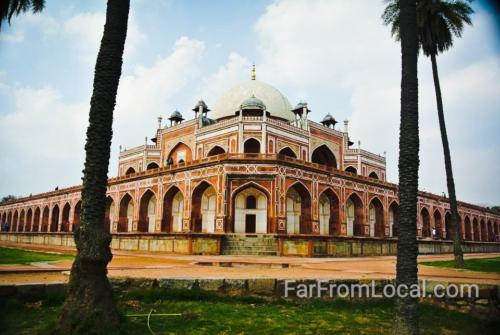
x: 334, y: 54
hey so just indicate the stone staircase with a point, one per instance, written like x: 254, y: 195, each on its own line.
x: 249, y: 244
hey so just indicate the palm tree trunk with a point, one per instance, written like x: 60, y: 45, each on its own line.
x: 406, y: 309
x: 89, y: 304
x: 455, y: 221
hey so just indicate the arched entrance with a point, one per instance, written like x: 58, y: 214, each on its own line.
x: 329, y: 221
x: 147, y: 213
x: 373, y: 175
x: 376, y: 218
x: 130, y: 170
x: 109, y: 214
x: 55, y: 218
x: 298, y: 210
x: 180, y: 153
x: 21, y: 220
x: 354, y: 216
x: 287, y: 152
x: 216, y: 150
x: 250, y: 211
x: 475, y: 229
x: 9, y: 221
x: 351, y: 169
x: 76, y: 216
x: 173, y: 207
x: 484, y: 231
x: 126, y: 214
x: 36, y: 220
x: 393, y: 219
x: 426, y: 222
x: 29, y: 220
x: 15, y: 222
x: 468, y: 229
x: 324, y: 156
x: 438, y: 225
x: 491, y: 232
x: 152, y: 166
x: 203, y: 212
x: 251, y: 146
x: 65, y: 217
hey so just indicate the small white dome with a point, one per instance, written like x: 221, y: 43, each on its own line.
x: 276, y: 103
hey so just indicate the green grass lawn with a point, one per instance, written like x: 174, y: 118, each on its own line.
x: 207, y: 313
x: 16, y: 256
x: 478, y: 264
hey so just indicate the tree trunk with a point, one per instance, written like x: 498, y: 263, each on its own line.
x: 406, y: 309
x: 89, y: 305
x: 455, y: 218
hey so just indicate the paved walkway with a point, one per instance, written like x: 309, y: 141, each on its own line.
x: 157, y: 265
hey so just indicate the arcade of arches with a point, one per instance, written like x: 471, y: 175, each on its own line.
x: 248, y: 210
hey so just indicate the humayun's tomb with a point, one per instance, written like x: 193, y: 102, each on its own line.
x: 254, y: 175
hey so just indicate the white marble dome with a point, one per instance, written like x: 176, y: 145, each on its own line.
x: 276, y: 103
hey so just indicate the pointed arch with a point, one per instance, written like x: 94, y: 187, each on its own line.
x: 152, y: 166
x: 181, y: 152
x: 351, y: 169
x: 468, y: 229
x: 147, y: 212
x: 438, y: 224
x: 425, y: 219
x: 29, y: 220
x: 76, y: 216
x: 109, y: 214
x: 9, y: 221
x: 298, y: 209
x: 484, y: 231
x: 55, y: 218
x: 203, y: 207
x: 126, y: 214
x: 376, y: 218
x: 287, y: 151
x: 130, y: 170
x: 324, y: 156
x: 216, y: 150
x: 173, y: 209
x: 21, y: 220
x: 491, y: 231
x: 354, y: 215
x: 393, y: 219
x: 36, y: 220
x: 15, y: 221
x: 329, y: 213
x: 65, y: 217
x: 373, y: 175
x: 250, y: 209
x: 251, y: 146
x: 476, y: 230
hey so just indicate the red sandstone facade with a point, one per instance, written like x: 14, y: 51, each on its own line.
x: 252, y: 170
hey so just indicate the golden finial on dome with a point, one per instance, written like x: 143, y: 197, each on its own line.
x: 253, y: 72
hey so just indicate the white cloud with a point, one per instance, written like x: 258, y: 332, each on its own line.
x: 42, y: 136
x: 235, y: 70
x: 153, y: 91
x: 86, y: 29
x: 40, y: 23
x: 338, y: 56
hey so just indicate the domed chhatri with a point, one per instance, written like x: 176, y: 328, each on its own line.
x: 176, y: 115
x: 253, y: 103
x: 276, y: 103
x: 329, y: 120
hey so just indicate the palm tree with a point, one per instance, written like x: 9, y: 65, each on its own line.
x: 9, y: 8
x: 89, y: 305
x: 438, y: 22
x: 406, y: 309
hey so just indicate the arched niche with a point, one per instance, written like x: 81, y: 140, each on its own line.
x: 329, y: 213
x: 203, y: 208
x: 173, y: 208
x: 147, y: 213
x: 298, y: 210
x: 354, y: 215
x: 250, y: 211
x: 324, y: 156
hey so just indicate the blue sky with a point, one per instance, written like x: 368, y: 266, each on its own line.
x: 336, y: 55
